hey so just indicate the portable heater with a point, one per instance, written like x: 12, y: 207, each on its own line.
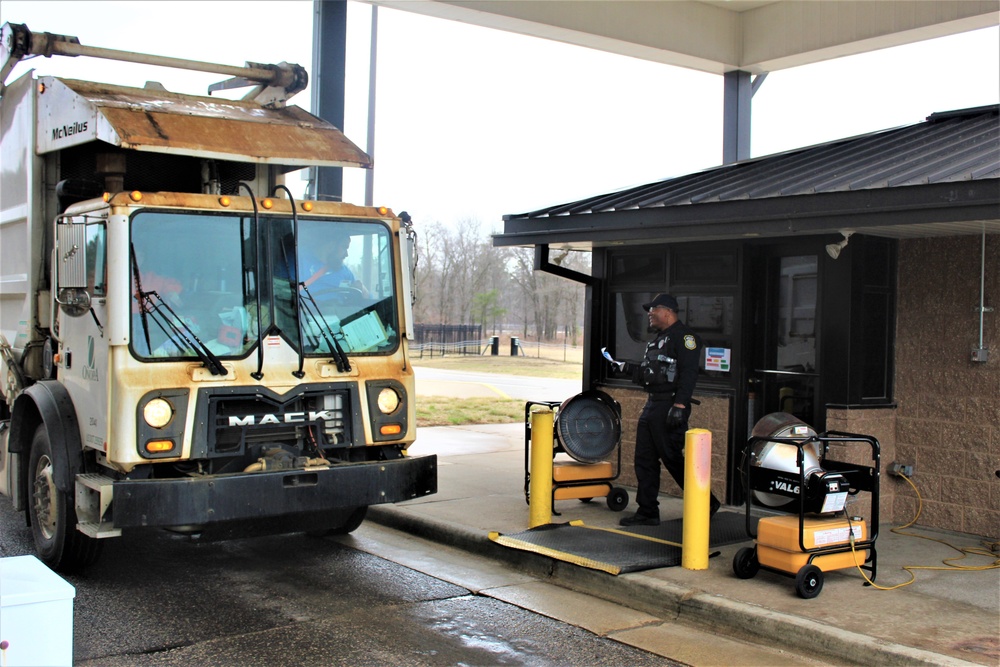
x: 587, y: 429
x: 786, y: 470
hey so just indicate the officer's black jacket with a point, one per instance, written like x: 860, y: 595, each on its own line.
x: 680, y: 342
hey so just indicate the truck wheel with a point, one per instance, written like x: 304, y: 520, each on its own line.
x: 53, y: 515
x: 353, y: 522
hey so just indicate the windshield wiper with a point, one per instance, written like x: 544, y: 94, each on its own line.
x: 177, y: 330
x: 309, y: 307
x: 171, y: 324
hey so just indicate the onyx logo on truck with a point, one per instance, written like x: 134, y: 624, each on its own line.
x: 89, y: 371
x: 68, y: 130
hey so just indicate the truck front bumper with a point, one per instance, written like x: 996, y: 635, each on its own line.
x: 263, y: 496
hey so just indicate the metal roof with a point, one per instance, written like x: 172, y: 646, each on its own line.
x: 837, y: 182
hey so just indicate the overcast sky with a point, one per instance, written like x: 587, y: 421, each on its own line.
x: 476, y: 123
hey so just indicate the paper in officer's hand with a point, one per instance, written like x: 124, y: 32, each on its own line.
x: 607, y: 355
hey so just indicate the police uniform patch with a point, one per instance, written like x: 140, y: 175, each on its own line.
x: 689, y: 342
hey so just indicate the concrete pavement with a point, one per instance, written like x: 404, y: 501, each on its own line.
x: 944, y: 618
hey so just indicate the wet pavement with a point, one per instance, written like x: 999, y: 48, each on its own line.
x: 947, y: 617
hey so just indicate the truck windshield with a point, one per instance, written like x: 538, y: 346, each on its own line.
x: 207, y: 273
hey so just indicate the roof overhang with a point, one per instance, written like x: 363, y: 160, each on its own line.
x: 73, y: 112
x: 719, y: 36
x: 941, y: 209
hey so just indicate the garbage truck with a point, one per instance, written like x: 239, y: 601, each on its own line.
x: 184, y: 344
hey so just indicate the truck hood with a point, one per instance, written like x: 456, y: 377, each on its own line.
x: 73, y: 112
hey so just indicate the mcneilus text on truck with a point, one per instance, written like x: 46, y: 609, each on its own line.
x: 184, y: 344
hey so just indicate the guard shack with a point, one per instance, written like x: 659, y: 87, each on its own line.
x: 849, y: 284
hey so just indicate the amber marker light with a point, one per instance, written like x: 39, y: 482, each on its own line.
x: 307, y: 206
x: 383, y: 210
x: 225, y: 201
x: 135, y: 195
x: 267, y: 203
x: 106, y: 197
x: 391, y: 429
x: 159, y: 446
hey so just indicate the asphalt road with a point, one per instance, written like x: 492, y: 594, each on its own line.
x: 441, y: 382
x: 159, y: 599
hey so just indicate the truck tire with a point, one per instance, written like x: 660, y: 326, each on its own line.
x: 53, y: 514
x: 351, y: 524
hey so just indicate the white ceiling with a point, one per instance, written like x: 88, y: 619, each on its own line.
x: 719, y: 36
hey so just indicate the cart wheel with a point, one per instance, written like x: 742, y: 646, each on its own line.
x: 617, y: 499
x: 809, y: 581
x: 745, y: 563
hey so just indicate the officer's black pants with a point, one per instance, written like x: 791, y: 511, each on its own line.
x: 655, y: 443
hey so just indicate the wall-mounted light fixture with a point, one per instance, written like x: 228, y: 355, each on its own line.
x: 833, y: 249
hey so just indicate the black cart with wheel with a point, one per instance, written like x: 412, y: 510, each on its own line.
x: 587, y: 427
x: 815, y: 540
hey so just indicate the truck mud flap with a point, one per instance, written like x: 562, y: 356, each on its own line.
x: 268, y: 495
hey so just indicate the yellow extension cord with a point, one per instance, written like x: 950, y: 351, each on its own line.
x: 965, y: 551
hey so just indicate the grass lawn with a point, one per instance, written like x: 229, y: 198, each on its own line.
x: 445, y: 411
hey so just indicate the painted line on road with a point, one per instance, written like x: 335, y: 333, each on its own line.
x: 498, y: 391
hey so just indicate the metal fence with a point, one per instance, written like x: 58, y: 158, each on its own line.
x: 487, y: 346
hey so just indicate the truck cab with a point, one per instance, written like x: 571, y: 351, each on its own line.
x: 183, y: 343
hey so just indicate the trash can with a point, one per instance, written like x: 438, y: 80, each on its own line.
x: 514, y: 345
x: 36, y: 614
x: 495, y: 345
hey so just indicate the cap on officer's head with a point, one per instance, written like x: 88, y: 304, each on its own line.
x: 661, y: 300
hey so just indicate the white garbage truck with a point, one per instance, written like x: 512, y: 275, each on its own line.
x: 183, y: 343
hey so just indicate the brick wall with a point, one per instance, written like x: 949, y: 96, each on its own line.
x: 881, y: 425
x: 948, y: 416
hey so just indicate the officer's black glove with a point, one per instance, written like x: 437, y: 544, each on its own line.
x: 675, y: 417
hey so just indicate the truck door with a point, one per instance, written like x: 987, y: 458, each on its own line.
x: 81, y: 311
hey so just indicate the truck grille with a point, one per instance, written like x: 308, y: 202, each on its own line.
x: 243, y: 423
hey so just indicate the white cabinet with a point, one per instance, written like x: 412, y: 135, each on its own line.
x: 36, y: 614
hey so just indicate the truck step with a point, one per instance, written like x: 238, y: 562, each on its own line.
x: 98, y: 530
x: 94, y: 493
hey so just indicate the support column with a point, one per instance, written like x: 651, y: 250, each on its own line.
x: 736, y: 116
x: 329, y: 67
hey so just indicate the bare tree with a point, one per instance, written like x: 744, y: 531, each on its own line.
x: 463, y: 279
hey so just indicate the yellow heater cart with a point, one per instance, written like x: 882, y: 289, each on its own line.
x: 815, y: 539
x: 587, y: 429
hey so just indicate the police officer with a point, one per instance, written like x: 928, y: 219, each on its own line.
x: 668, y: 372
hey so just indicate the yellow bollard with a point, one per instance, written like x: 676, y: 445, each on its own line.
x: 697, y: 498
x: 540, y: 474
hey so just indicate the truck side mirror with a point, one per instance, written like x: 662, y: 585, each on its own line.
x: 71, y: 269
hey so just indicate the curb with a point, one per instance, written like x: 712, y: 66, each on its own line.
x: 672, y: 602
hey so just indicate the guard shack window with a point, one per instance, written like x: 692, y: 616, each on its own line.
x: 704, y: 279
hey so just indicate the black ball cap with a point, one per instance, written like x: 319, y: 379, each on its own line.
x: 661, y: 300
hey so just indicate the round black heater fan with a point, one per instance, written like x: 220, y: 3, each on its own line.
x: 588, y: 426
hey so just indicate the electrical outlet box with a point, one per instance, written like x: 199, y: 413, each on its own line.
x: 980, y: 354
x: 900, y: 469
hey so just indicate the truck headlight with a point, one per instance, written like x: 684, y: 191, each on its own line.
x: 387, y: 409
x: 158, y: 412
x: 388, y: 400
